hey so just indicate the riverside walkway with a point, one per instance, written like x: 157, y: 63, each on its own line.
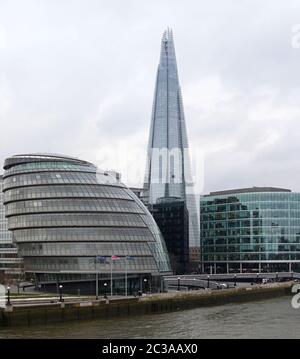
x: 214, y: 281
x: 33, y: 311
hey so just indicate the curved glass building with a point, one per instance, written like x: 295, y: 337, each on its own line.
x: 251, y: 229
x: 71, y: 222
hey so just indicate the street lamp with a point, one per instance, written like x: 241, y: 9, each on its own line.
x: 145, y: 281
x: 60, y: 293
x: 105, y: 287
x: 8, y: 296
x: 208, y: 277
x: 235, y: 280
x: 178, y: 284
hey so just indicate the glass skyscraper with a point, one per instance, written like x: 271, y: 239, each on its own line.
x: 168, y: 170
x: 250, y: 229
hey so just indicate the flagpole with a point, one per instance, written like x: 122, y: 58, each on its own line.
x: 111, y: 288
x: 125, y: 276
x: 96, y: 278
x: 97, y: 288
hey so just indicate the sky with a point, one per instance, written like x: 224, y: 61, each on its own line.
x: 77, y: 77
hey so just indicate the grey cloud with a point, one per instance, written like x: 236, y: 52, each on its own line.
x: 76, y: 76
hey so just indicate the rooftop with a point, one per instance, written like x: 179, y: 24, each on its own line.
x: 248, y: 190
x: 40, y: 157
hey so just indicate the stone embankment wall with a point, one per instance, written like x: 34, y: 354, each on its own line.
x: 166, y: 302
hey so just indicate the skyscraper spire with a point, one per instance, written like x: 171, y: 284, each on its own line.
x: 168, y: 171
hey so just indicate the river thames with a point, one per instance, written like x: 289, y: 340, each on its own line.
x: 273, y: 318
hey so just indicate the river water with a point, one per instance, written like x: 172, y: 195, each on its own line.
x: 273, y: 318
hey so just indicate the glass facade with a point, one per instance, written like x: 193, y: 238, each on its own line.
x: 63, y: 213
x: 250, y: 230
x: 168, y: 170
x: 10, y: 263
x: 173, y: 221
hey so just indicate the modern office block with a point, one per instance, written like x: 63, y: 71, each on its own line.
x: 72, y: 221
x: 10, y: 264
x: 172, y: 219
x: 250, y: 230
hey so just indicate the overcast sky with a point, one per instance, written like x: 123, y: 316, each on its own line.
x: 77, y: 77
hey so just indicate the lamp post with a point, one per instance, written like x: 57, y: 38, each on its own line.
x: 8, y: 296
x: 178, y: 284
x: 111, y: 278
x: 235, y: 280
x: 96, y: 278
x: 60, y: 293
x: 145, y: 282
x: 105, y: 287
x: 97, y: 286
x: 208, y: 277
x: 126, y: 277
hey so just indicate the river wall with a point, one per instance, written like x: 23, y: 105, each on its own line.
x: 42, y: 314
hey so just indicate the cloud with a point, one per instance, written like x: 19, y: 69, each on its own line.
x: 5, y: 97
x: 78, y: 78
x: 2, y: 37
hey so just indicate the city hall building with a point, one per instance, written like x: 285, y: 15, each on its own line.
x: 250, y: 230
x: 72, y: 222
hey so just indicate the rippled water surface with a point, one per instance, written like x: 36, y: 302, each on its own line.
x: 273, y: 318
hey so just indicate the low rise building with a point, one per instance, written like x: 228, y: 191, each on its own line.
x: 250, y: 230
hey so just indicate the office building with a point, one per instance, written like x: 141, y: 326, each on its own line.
x: 172, y: 219
x: 250, y: 230
x: 10, y: 263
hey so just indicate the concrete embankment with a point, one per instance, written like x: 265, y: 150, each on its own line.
x: 166, y: 302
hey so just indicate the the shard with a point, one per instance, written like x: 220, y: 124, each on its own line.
x: 168, y: 170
